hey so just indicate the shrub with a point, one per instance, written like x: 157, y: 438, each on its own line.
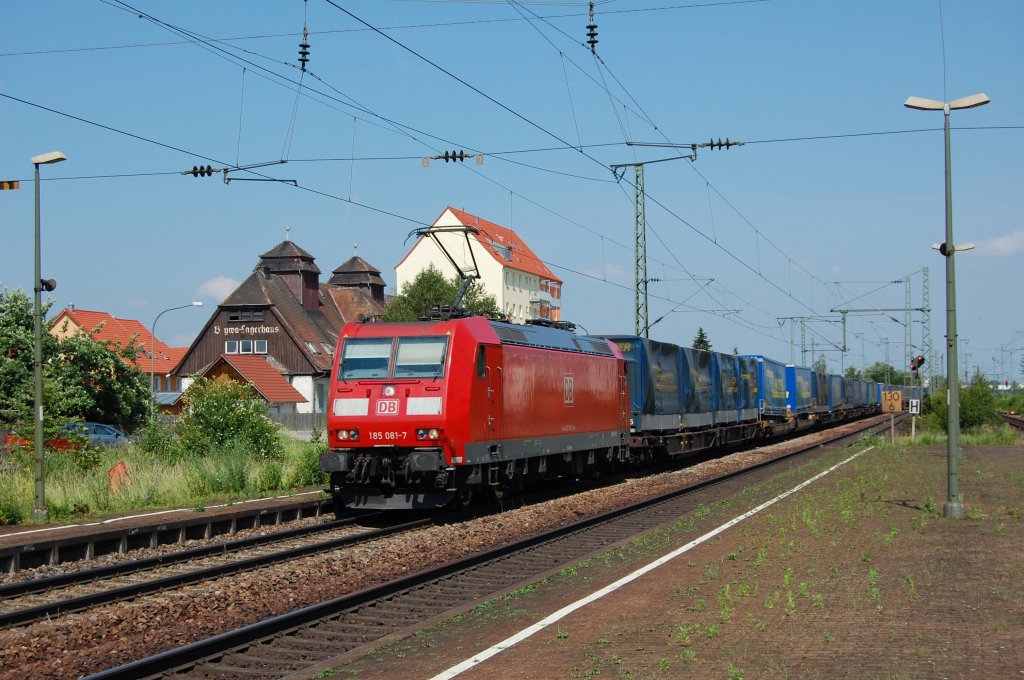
x: 305, y: 467
x: 268, y: 476
x: 15, y: 493
x: 223, y: 413
x: 977, y: 406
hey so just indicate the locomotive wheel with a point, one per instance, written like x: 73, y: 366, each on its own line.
x: 468, y: 495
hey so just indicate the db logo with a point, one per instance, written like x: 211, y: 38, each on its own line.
x: 568, y: 390
x: 387, y: 407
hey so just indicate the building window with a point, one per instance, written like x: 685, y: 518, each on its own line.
x: 245, y: 346
x: 260, y: 346
x: 312, y: 348
x: 245, y: 315
x: 231, y: 347
x: 327, y: 349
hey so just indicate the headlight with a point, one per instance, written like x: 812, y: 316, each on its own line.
x: 344, y: 435
x: 424, y: 433
x: 389, y: 390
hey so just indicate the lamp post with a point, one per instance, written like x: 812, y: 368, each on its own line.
x: 39, y: 512
x: 152, y: 357
x: 953, y: 507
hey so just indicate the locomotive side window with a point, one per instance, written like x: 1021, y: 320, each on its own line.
x: 420, y: 357
x: 366, y: 358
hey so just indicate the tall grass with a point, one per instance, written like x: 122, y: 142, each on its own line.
x: 984, y: 435
x: 77, y: 483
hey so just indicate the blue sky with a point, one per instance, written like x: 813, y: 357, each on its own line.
x: 787, y: 226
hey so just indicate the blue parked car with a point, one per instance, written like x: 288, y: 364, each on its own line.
x: 98, y: 434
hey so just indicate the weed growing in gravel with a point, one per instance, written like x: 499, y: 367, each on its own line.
x: 911, y: 588
x: 685, y: 631
x: 687, y: 655
x: 562, y: 634
x: 929, y: 506
x: 828, y: 637
x: 734, y: 673
x: 762, y: 557
x: 890, y: 537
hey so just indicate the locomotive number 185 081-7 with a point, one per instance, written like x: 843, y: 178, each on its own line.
x: 389, y: 436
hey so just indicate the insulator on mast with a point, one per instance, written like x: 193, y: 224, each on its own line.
x: 592, y: 31
x: 304, y: 48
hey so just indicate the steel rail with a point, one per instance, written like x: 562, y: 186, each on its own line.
x: 188, y: 656
x: 29, y: 614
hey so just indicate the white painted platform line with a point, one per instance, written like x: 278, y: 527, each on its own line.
x: 114, y: 520
x: 568, y: 609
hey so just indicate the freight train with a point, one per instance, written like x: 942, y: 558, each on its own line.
x: 428, y: 413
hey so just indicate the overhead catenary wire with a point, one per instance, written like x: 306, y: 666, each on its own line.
x: 715, y: 238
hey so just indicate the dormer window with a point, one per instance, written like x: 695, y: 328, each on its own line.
x: 245, y: 315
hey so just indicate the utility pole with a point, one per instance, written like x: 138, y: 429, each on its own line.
x: 926, y: 325
x: 641, y: 324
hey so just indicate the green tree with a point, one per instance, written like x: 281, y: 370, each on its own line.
x: 221, y: 414
x: 977, y: 404
x: 820, y: 365
x: 16, y: 357
x: 430, y: 289
x: 82, y: 379
x: 95, y: 381
x: 701, y: 341
x: 886, y: 373
x: 852, y: 372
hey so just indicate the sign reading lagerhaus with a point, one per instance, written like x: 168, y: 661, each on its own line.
x: 245, y: 330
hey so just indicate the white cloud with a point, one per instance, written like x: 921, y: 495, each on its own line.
x: 219, y: 287
x: 1011, y: 244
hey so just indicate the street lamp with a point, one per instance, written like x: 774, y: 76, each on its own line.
x: 39, y: 512
x: 953, y: 507
x: 152, y: 357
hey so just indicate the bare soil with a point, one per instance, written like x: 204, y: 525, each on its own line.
x: 856, y: 576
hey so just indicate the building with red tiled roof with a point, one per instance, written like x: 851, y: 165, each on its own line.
x: 260, y: 372
x: 524, y: 287
x: 283, y: 316
x: 103, y: 327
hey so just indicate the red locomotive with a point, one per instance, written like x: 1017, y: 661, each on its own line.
x: 421, y: 414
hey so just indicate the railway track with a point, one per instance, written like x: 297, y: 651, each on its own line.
x: 1014, y: 421
x: 304, y: 638
x: 31, y: 600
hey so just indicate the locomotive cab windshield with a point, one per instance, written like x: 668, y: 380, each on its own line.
x: 372, y: 358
